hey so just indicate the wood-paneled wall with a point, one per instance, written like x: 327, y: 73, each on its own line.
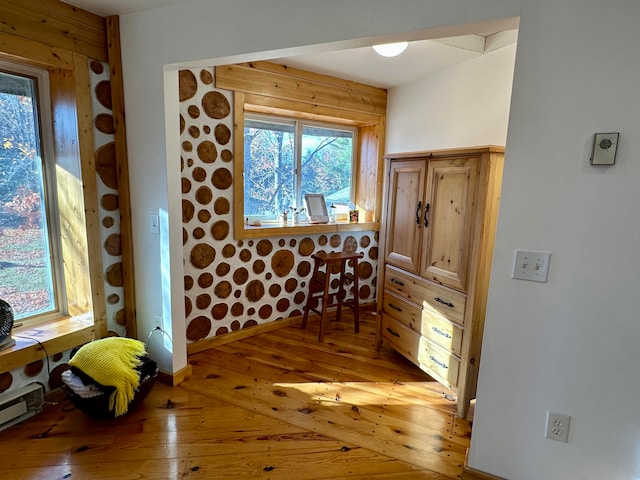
x: 56, y: 25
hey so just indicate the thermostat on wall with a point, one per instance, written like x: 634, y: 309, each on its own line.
x: 604, y: 148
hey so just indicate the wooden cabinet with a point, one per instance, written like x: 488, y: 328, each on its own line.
x: 440, y: 216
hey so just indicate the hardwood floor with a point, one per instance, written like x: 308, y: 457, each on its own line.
x: 280, y: 405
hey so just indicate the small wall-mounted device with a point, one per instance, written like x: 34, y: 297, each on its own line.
x: 604, y: 148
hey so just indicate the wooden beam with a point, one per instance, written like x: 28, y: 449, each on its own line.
x: 82, y: 90
x: 56, y: 24
x: 122, y: 171
x: 34, y: 53
x: 305, y: 89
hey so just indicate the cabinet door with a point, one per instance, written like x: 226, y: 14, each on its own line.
x: 450, y: 195
x: 404, y: 213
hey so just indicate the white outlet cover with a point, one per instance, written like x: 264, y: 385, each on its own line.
x: 531, y: 265
x: 557, y: 427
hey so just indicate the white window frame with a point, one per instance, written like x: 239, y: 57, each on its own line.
x: 298, y: 126
x: 44, y: 124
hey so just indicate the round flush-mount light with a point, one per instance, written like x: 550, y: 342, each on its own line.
x: 390, y: 49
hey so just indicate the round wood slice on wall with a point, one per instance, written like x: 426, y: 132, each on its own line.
x: 199, y: 174
x: 207, y: 152
x: 206, y: 77
x: 220, y: 230
x: 106, y: 165
x: 97, y: 67
x: 198, y: 328
x: 188, y: 210
x: 120, y: 317
x: 222, y: 289
x: 282, y: 262
x: 193, y: 111
x: 33, y: 369
x: 222, y: 178
x: 216, y: 105
x: 103, y: 94
x: 202, y: 255
x: 205, y: 280
x: 112, y: 245
x: 186, y: 185
x: 219, y: 311
x: 222, y: 133
x: 264, y: 247
x: 104, y: 123
x: 187, y: 85
x: 114, y: 275
x: 254, y: 290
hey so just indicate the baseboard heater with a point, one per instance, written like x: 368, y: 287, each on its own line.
x: 20, y: 404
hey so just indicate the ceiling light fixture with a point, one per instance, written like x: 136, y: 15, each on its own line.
x: 390, y: 49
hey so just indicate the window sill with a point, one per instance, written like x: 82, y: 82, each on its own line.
x: 56, y: 336
x: 272, y: 230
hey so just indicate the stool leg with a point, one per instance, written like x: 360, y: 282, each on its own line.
x: 356, y: 297
x: 307, y: 305
x: 342, y: 292
x: 325, y: 302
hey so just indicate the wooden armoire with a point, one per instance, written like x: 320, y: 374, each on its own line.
x: 438, y: 231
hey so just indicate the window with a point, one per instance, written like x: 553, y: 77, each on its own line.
x: 29, y: 271
x: 285, y: 158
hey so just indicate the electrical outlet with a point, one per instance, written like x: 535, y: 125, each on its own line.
x: 557, y: 426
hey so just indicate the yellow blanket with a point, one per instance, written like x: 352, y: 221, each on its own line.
x: 111, y: 362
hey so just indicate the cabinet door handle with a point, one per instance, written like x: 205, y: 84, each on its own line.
x: 396, y: 308
x: 444, y: 302
x: 438, y: 362
x: 426, y: 210
x: 397, y: 282
x: 440, y: 332
x: 395, y: 334
x: 418, y: 213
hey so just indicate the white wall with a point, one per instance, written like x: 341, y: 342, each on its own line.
x: 570, y: 345
x: 464, y: 105
x: 202, y: 32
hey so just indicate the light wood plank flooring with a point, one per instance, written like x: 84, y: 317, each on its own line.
x: 280, y: 405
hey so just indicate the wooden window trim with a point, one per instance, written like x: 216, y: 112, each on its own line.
x: 259, y: 88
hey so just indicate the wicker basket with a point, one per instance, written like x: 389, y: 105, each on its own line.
x: 98, y: 407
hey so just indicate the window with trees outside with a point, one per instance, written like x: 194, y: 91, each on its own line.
x: 29, y: 270
x: 285, y: 158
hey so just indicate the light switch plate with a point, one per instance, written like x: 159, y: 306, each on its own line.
x: 530, y: 265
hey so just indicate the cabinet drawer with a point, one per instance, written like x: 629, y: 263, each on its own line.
x: 440, y: 301
x: 439, y: 363
x: 403, y: 339
x: 423, y: 321
x: 442, y: 332
x: 401, y: 310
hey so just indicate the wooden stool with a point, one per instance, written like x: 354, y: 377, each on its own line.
x: 319, y: 288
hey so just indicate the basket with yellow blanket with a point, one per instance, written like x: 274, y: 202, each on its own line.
x: 109, y: 377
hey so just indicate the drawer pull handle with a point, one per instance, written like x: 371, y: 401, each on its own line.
x: 437, y: 362
x: 418, y: 213
x: 397, y: 282
x: 395, y: 334
x: 396, y: 308
x: 444, y: 302
x: 440, y: 332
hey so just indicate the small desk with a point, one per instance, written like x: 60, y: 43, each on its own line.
x: 320, y: 283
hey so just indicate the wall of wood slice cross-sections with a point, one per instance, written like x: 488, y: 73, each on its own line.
x: 234, y: 284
